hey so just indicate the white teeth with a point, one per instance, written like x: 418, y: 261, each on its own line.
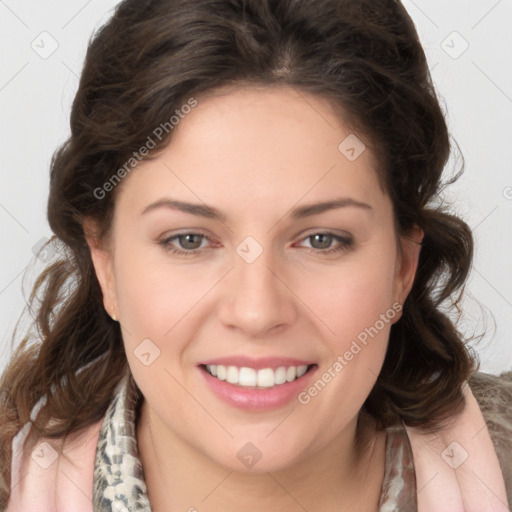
x: 301, y: 370
x: 232, y: 375
x: 221, y: 372
x: 266, y: 378
x: 291, y: 373
x: 249, y: 377
x: 280, y: 375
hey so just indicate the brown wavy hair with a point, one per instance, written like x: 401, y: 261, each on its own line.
x: 363, y: 56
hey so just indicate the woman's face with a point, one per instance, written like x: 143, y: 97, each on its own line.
x: 272, y: 285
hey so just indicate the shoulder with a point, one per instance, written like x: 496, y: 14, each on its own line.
x: 494, y: 396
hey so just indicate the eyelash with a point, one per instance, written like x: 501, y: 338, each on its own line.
x: 346, y: 243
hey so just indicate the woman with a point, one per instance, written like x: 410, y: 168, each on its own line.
x: 249, y: 311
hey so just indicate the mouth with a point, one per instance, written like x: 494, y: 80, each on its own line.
x: 257, y: 387
x: 254, y: 378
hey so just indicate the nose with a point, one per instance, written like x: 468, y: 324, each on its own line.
x: 257, y: 300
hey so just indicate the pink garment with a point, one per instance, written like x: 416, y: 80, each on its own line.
x: 457, y: 470
x: 65, y: 485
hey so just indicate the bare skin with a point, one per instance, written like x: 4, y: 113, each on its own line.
x: 255, y: 154
x: 294, y: 490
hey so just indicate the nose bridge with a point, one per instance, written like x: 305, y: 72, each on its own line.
x: 257, y: 299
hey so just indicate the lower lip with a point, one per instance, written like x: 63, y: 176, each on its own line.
x: 252, y: 399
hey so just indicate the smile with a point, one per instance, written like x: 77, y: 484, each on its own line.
x: 270, y: 386
x: 256, y: 378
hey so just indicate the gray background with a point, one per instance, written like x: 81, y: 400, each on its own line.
x: 469, y: 48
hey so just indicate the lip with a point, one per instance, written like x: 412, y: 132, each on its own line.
x: 254, y: 399
x: 258, y: 363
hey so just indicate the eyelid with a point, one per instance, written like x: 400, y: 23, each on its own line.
x: 302, y: 234
x: 341, y: 242
x: 182, y: 232
x: 174, y: 236
x: 345, y: 241
x: 313, y: 231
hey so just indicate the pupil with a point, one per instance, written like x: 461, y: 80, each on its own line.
x: 326, y: 239
x: 187, y: 240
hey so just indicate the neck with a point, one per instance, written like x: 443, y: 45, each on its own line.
x: 179, y: 477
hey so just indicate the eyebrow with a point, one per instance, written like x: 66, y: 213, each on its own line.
x: 301, y: 212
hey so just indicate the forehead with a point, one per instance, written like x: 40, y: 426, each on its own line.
x: 256, y: 147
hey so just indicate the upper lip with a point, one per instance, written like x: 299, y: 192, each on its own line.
x: 256, y: 363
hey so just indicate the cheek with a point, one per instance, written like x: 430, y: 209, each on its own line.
x: 358, y: 308
x: 156, y: 302
x: 154, y: 291
x: 355, y: 300
x: 154, y: 294
x: 353, y: 295
x: 154, y: 298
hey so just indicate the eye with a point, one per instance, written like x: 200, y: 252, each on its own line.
x: 322, y: 241
x: 190, y: 242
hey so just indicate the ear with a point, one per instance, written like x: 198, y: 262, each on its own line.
x: 102, y: 258
x: 407, y: 263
